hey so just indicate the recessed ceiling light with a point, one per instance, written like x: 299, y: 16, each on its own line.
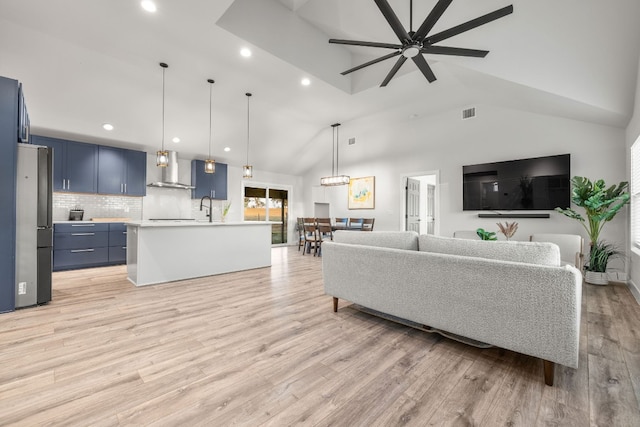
x: 245, y: 52
x: 148, y: 5
x: 176, y: 139
x: 305, y: 81
x: 227, y: 149
x: 107, y: 126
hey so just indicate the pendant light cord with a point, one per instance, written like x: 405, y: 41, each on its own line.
x: 164, y: 67
x: 333, y: 150
x: 248, y: 97
x: 411, y: 16
x: 337, y: 148
x: 210, y: 107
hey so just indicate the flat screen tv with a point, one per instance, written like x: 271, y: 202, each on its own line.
x: 541, y: 183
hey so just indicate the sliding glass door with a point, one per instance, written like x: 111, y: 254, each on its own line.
x: 268, y: 204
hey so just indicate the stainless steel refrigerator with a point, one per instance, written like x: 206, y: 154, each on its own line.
x: 34, y: 229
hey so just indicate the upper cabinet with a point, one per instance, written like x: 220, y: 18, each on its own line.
x: 122, y: 171
x: 213, y: 185
x: 75, y: 164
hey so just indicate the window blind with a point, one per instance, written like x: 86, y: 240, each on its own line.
x: 635, y: 193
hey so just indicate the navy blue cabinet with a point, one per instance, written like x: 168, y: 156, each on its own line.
x: 213, y: 185
x: 9, y: 119
x: 88, y: 244
x: 75, y: 164
x: 117, y: 243
x: 122, y: 171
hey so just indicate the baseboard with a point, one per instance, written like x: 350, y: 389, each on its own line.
x: 634, y: 290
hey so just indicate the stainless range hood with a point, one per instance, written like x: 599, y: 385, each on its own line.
x: 170, y: 175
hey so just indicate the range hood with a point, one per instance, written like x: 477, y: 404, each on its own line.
x: 170, y: 175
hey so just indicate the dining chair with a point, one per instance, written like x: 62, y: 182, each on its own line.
x: 311, y: 238
x: 340, y: 224
x: 300, y: 227
x: 355, y: 223
x: 367, y: 224
x: 325, y: 233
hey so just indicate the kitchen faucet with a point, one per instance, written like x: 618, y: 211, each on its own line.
x: 210, y: 206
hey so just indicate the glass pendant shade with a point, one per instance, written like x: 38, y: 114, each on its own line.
x: 329, y: 181
x: 210, y: 166
x: 162, y: 158
x: 247, y: 171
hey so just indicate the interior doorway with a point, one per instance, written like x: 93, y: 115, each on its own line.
x: 420, y: 202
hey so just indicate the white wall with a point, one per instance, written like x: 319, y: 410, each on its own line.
x: 388, y: 150
x: 633, y: 133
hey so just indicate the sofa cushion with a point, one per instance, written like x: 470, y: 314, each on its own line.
x: 541, y: 253
x: 407, y: 240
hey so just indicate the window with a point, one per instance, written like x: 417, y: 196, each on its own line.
x: 635, y: 194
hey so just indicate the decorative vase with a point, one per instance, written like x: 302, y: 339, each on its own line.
x: 596, y: 278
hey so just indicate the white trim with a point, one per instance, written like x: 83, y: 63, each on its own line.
x: 635, y: 291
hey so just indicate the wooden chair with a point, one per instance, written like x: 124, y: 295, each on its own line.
x: 311, y: 238
x: 367, y: 224
x: 570, y: 246
x: 325, y: 233
x: 300, y: 227
x: 355, y: 223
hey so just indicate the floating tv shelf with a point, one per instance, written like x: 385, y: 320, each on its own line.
x: 514, y: 215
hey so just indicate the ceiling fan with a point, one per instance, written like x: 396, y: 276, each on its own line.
x: 413, y: 44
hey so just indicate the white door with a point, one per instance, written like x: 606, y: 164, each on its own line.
x: 431, y: 201
x: 413, y: 205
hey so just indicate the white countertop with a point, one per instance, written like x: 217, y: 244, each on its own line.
x: 198, y: 223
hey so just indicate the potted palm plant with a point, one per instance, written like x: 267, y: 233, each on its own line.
x: 601, y: 204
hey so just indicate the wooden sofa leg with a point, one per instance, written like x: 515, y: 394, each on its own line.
x: 335, y: 304
x: 549, y: 369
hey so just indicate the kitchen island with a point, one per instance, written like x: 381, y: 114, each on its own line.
x: 165, y: 251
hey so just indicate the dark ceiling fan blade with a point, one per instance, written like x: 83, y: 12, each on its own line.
x: 393, y: 71
x: 431, y: 20
x: 456, y: 51
x: 366, y: 64
x: 393, y: 20
x: 368, y: 44
x: 424, y: 67
x: 469, y: 25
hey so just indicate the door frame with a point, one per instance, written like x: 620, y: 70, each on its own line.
x: 403, y: 198
x: 291, y: 239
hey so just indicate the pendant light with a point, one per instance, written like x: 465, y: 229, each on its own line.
x: 247, y: 170
x: 162, y: 156
x: 210, y: 164
x: 335, y: 178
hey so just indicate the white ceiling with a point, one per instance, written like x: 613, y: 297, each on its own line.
x: 84, y: 63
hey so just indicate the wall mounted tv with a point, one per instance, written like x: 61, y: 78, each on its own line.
x: 541, y: 183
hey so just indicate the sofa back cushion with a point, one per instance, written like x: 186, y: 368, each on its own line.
x: 541, y: 253
x: 407, y: 240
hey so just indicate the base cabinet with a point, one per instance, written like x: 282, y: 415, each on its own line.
x: 86, y: 244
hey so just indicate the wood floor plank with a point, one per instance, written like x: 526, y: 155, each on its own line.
x: 264, y: 347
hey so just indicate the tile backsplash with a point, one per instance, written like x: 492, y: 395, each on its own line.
x: 96, y: 206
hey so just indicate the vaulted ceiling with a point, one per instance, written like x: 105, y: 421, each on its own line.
x: 84, y: 63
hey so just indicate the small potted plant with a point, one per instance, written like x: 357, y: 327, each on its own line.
x: 601, y: 204
x: 486, y: 235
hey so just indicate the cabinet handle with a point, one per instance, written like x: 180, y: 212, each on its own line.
x: 124, y: 247
x: 83, y: 225
x: 81, y: 250
x: 83, y: 234
x: 68, y: 184
x: 121, y: 188
x: 125, y: 188
x: 64, y: 187
x: 124, y: 232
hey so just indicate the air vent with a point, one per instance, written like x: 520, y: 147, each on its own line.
x: 468, y: 113
x: 352, y: 141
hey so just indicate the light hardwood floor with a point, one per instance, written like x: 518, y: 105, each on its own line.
x: 264, y: 347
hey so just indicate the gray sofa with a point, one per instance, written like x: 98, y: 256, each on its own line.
x: 513, y: 295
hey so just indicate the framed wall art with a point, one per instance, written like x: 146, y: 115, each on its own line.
x: 362, y: 193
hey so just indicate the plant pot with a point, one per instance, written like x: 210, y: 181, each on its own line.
x: 596, y: 278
